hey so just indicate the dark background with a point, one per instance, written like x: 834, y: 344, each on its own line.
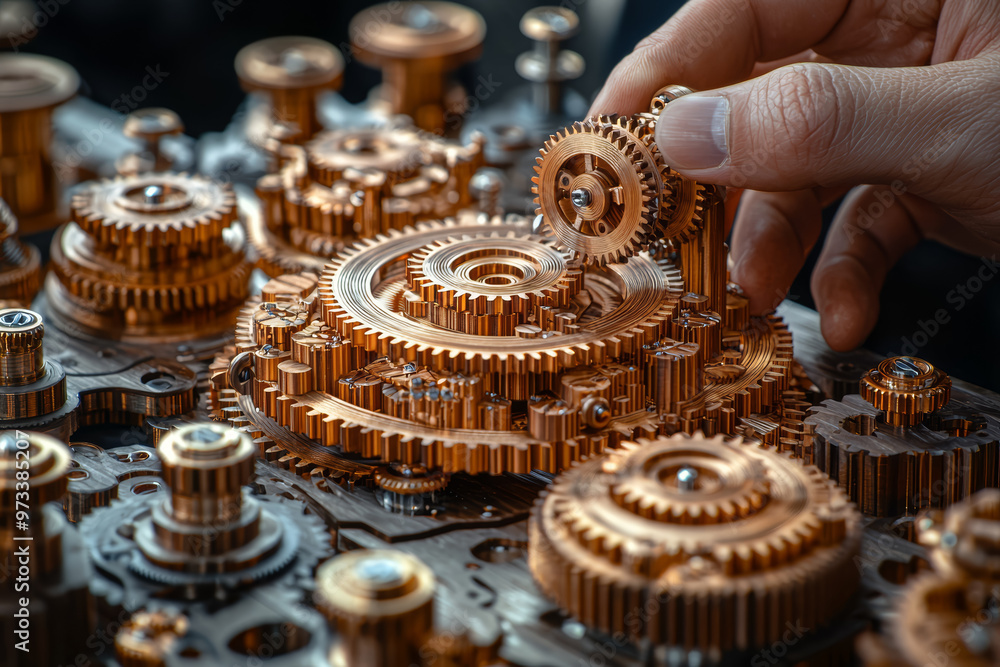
x: 111, y: 42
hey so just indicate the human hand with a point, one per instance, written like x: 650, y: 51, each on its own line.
x: 897, y: 99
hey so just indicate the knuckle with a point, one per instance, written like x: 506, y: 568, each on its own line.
x: 803, y: 110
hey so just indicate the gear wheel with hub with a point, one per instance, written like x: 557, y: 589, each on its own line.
x: 718, y: 542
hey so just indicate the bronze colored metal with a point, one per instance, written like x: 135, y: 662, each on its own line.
x: 150, y: 258
x: 20, y: 265
x: 149, y: 126
x: 147, y: 637
x: 32, y: 386
x: 206, y: 466
x: 31, y: 87
x: 905, y: 389
x: 697, y: 543
x: 480, y: 345
x: 964, y: 539
x: 887, y: 469
x: 291, y: 72
x: 948, y: 615
x: 43, y: 553
x: 949, y: 620
x: 381, y: 603
x: 347, y: 185
x: 416, y: 45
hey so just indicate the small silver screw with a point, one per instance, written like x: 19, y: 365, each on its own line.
x: 686, y: 478
x: 906, y: 367
x: 17, y: 318
x: 153, y: 194
x: 580, y: 197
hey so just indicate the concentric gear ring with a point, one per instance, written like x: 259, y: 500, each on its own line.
x: 397, y: 153
x: 493, y: 275
x: 347, y: 303
x: 594, y: 188
x: 155, y: 210
x: 600, y: 549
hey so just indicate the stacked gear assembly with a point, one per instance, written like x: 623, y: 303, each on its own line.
x: 718, y: 542
x: 492, y: 345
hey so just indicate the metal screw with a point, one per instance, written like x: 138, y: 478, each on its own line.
x: 686, y: 478
x: 379, y: 572
x: 906, y: 367
x: 17, y: 318
x: 580, y: 197
x: 153, y: 194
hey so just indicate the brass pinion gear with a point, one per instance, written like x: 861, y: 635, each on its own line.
x: 155, y: 209
x: 596, y: 190
x: 905, y: 389
x: 717, y: 542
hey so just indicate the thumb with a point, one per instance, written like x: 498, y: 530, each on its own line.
x: 815, y: 124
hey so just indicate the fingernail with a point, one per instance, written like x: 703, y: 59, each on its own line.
x: 692, y: 132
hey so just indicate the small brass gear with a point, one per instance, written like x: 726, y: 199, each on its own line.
x: 396, y: 153
x: 717, y: 542
x: 155, y: 210
x: 496, y: 274
x: 905, y: 389
x: 595, y: 190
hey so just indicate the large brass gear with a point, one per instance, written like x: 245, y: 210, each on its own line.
x: 349, y: 305
x: 700, y: 543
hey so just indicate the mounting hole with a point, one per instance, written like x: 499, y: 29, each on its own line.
x: 144, y: 488
x: 270, y: 640
x: 78, y: 473
x: 499, y: 550
x: 135, y: 457
x: 190, y: 653
x: 158, y: 381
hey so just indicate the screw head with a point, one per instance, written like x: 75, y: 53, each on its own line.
x: 906, y: 367
x: 17, y: 318
x: 686, y: 478
x: 580, y: 197
x: 153, y: 194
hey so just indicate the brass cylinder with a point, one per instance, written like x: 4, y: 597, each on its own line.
x: 292, y: 72
x: 21, y: 358
x: 674, y: 373
x: 206, y: 466
x: 31, y: 86
x: 381, y: 603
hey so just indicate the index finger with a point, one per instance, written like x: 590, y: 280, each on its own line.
x: 714, y: 43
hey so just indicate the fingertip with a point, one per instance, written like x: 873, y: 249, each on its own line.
x: 848, y: 306
x: 761, y: 287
